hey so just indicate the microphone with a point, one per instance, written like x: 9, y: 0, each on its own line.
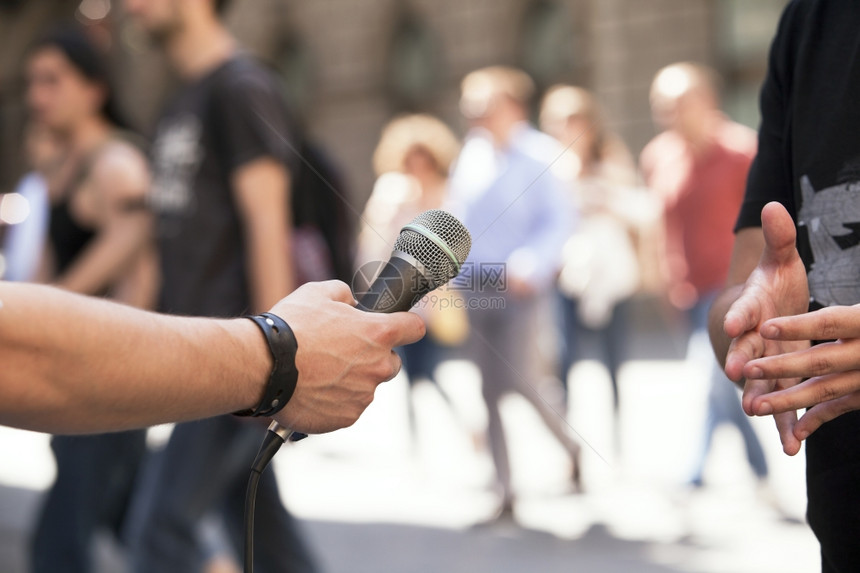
x: 428, y: 253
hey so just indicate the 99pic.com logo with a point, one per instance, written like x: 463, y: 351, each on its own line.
x: 379, y: 285
x: 384, y: 295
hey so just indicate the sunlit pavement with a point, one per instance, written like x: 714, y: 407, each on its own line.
x: 375, y: 503
x: 378, y: 498
x: 636, y: 515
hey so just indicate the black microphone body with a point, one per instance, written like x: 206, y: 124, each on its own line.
x: 429, y: 252
x: 399, y: 285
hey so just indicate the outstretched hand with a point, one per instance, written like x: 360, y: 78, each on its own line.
x: 777, y: 287
x: 343, y: 355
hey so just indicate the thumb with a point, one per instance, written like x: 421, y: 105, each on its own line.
x: 779, y: 234
x: 405, y: 327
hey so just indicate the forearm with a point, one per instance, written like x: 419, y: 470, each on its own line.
x: 139, y: 285
x: 262, y: 190
x: 270, y: 268
x: 61, y: 374
x: 106, y: 258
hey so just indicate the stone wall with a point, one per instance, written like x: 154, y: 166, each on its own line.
x: 618, y: 46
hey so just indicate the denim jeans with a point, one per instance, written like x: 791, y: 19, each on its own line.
x: 724, y: 406
x: 611, y: 341
x: 203, y: 470
x: 95, y: 477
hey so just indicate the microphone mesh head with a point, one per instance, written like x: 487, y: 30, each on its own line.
x: 421, y: 241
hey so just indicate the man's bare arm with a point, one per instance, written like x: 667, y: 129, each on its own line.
x: 72, y: 364
x: 262, y: 190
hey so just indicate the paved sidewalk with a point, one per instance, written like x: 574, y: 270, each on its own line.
x: 376, y: 500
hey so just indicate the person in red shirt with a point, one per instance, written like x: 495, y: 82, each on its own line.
x: 698, y: 168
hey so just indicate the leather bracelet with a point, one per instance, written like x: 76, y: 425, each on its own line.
x: 282, y: 381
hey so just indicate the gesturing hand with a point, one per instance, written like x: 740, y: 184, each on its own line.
x: 832, y: 369
x: 777, y: 287
x: 343, y: 355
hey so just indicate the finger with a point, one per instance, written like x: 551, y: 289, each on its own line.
x: 809, y: 393
x: 743, y: 315
x: 396, y: 364
x: 753, y: 388
x: 825, y: 324
x: 779, y: 234
x: 818, y: 415
x: 335, y: 290
x: 785, y: 424
x: 402, y: 328
x: 742, y: 350
x: 822, y: 359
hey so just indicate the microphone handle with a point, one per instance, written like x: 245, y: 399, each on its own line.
x: 398, y: 286
x: 283, y: 433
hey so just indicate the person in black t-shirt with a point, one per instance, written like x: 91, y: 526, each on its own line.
x: 221, y: 184
x: 788, y: 322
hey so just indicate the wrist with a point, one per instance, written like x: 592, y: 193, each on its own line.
x: 282, y: 380
x: 256, y: 361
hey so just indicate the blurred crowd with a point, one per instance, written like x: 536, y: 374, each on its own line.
x: 230, y: 206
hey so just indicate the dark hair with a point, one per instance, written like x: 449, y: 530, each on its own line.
x: 221, y: 6
x: 91, y: 63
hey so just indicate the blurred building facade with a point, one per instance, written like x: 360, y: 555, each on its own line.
x: 349, y: 65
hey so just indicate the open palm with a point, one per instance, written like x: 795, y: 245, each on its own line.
x: 776, y: 288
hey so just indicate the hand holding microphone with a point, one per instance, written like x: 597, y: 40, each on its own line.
x: 343, y: 354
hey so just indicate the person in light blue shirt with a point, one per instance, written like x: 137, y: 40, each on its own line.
x: 25, y: 239
x: 24, y: 243
x: 513, y: 204
x: 509, y: 197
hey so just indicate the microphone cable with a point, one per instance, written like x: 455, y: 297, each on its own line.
x: 276, y: 436
x: 429, y: 252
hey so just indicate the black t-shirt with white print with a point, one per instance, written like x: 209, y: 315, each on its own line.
x: 233, y: 115
x: 809, y: 160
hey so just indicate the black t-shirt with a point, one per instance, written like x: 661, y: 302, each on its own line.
x: 230, y: 117
x: 809, y: 160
